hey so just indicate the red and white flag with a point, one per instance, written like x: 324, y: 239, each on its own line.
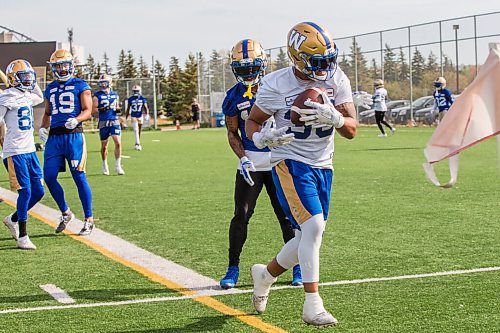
x: 472, y: 118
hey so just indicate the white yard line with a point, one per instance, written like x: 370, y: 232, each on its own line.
x: 248, y: 291
x: 59, y: 295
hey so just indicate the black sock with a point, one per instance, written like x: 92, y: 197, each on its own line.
x: 14, y: 217
x: 22, y: 229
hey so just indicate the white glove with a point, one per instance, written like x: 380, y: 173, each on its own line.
x: 321, y: 115
x: 363, y: 99
x: 146, y: 117
x: 71, y: 123
x: 246, y: 166
x: 272, y: 137
x: 43, y: 133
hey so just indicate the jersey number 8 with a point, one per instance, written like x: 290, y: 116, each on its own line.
x: 25, y: 118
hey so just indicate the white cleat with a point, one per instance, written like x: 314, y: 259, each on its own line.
x: 87, y: 228
x: 25, y: 243
x: 382, y: 135
x: 261, y: 286
x: 105, y: 170
x: 138, y: 147
x: 63, y: 221
x: 322, y: 319
x: 119, y: 170
x: 393, y: 130
x: 13, y: 226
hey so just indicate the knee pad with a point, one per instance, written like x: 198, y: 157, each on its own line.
x: 288, y: 256
x: 310, y: 243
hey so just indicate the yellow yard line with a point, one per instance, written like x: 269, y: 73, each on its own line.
x: 248, y: 319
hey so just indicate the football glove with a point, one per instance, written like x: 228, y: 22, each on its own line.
x: 71, y: 123
x: 43, y: 133
x: 246, y: 166
x: 272, y: 137
x: 363, y: 99
x: 321, y: 115
x: 104, y: 108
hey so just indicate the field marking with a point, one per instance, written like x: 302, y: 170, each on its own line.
x: 248, y: 291
x: 57, y: 293
x: 156, y: 268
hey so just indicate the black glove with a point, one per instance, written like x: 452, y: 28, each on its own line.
x: 104, y: 109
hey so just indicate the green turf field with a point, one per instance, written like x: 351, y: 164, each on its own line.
x: 176, y: 200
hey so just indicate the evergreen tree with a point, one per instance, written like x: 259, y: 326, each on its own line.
x: 105, y: 66
x: 143, y: 67
x: 403, y: 68
x: 432, y: 64
x: 122, y: 65
x: 174, y: 95
x: 281, y: 60
x: 161, y: 84
x: 357, y: 58
x: 417, y: 67
x: 374, y: 70
x: 344, y: 64
x: 130, y: 67
x: 189, y: 80
x: 216, y: 71
x: 90, y: 68
x: 390, y: 65
x: 229, y: 79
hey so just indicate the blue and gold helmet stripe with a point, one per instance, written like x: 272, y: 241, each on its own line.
x: 322, y: 32
x: 244, y: 47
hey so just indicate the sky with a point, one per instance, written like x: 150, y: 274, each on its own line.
x: 178, y: 27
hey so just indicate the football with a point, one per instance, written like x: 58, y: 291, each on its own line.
x: 314, y: 94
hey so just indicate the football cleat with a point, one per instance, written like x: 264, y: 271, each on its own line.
x: 63, y: 221
x: 297, y: 276
x: 312, y: 51
x: 322, y: 319
x: 87, y: 228
x: 13, y: 226
x: 138, y: 147
x: 382, y: 135
x: 231, y: 278
x: 25, y: 243
x: 261, y: 286
x: 105, y: 169
x: 119, y: 170
x: 393, y: 130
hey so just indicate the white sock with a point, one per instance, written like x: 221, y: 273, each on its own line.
x: 136, y: 133
x: 266, y: 282
x: 313, y: 305
x: 105, y: 163
x: 308, y: 251
x: 118, y: 162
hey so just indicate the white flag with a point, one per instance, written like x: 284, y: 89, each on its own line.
x: 472, y: 118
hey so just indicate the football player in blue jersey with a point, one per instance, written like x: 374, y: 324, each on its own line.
x: 138, y: 110
x: 19, y: 156
x: 68, y: 102
x: 106, y: 105
x: 254, y: 169
x: 442, y: 98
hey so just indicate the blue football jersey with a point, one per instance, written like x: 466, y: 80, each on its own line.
x: 443, y: 99
x: 105, y: 100
x: 136, y: 105
x: 236, y: 105
x: 64, y: 100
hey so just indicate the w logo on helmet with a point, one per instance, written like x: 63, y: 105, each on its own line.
x: 296, y: 39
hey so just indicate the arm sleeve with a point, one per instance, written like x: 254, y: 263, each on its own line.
x: 36, y: 96
x: 3, y: 111
x: 344, y: 94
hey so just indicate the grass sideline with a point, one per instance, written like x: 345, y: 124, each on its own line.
x: 176, y: 201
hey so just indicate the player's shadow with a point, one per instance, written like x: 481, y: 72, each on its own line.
x: 104, y: 295
x: 202, y: 324
x: 393, y: 148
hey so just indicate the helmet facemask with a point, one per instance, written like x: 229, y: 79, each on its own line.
x: 104, y: 84
x: 63, y: 70
x: 25, y: 80
x: 319, y: 67
x: 248, y: 71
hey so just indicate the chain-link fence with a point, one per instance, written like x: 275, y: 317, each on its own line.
x: 407, y: 58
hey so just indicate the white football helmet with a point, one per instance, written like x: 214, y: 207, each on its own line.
x: 136, y: 90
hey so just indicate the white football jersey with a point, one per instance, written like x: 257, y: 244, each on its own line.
x: 16, y: 109
x: 276, y: 96
x: 379, y: 99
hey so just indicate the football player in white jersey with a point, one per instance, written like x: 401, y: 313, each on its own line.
x: 19, y: 157
x: 303, y: 168
x: 379, y: 98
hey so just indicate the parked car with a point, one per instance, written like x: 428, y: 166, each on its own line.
x: 427, y: 115
x: 402, y: 115
x: 368, y: 116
